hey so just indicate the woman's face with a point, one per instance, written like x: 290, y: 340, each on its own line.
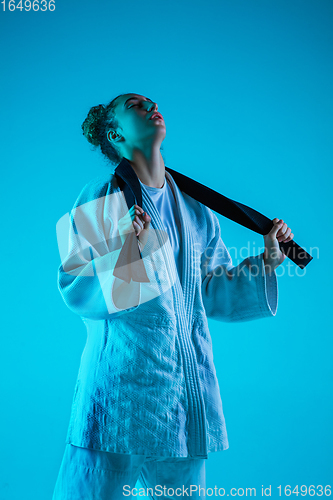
x: 134, y: 114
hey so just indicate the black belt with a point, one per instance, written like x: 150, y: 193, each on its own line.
x: 242, y: 214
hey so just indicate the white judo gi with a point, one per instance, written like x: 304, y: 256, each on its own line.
x: 147, y: 382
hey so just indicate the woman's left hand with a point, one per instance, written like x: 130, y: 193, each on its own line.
x: 273, y: 256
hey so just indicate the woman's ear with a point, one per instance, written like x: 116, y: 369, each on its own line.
x: 112, y: 135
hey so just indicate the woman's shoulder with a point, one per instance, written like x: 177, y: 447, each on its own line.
x: 96, y: 188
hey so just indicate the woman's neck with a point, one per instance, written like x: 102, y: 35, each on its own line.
x: 149, y: 168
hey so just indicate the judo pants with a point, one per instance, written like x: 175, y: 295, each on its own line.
x: 87, y: 474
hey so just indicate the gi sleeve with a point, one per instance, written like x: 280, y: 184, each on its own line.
x: 89, y: 245
x: 234, y: 294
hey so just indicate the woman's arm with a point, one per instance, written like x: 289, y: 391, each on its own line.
x: 234, y: 294
x: 90, y: 244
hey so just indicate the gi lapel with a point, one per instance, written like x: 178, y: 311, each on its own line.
x: 161, y: 234
x: 129, y: 265
x: 187, y: 249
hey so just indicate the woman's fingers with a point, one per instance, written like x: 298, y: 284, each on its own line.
x: 137, y: 228
x: 138, y: 209
x: 141, y: 222
x: 141, y: 219
x: 138, y: 225
x: 276, y: 228
x: 289, y: 238
x: 284, y: 233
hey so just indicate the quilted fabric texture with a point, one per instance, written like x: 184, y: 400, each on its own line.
x: 147, y: 382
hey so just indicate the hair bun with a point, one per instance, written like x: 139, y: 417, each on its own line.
x: 91, y: 125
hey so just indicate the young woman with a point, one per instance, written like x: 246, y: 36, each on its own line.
x: 147, y: 404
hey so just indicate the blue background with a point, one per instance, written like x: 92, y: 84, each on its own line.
x: 245, y: 87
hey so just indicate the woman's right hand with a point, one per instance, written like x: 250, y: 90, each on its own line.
x: 140, y: 221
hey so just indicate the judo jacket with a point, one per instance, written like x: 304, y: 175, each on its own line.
x: 147, y: 382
